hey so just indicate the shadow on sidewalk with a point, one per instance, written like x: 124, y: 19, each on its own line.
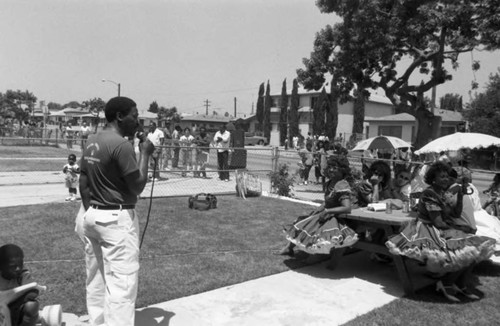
x: 359, y: 265
x: 153, y: 316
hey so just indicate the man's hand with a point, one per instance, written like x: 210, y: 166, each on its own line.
x: 146, y: 147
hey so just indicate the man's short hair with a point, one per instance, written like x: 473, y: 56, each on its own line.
x: 118, y: 104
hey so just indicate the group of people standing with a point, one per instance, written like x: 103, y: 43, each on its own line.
x: 187, y: 151
x: 451, y: 234
x: 72, y: 135
x: 314, y: 153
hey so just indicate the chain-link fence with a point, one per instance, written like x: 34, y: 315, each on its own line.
x: 184, y: 171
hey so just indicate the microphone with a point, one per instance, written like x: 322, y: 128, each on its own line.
x: 140, y: 134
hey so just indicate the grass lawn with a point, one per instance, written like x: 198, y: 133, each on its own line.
x: 184, y: 252
x: 13, y: 158
x: 187, y: 251
x: 35, y: 151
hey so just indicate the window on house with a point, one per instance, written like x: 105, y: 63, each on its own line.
x: 395, y: 131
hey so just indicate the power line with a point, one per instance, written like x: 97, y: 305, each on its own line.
x: 207, y: 104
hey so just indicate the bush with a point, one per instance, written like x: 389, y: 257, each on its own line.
x: 282, y: 181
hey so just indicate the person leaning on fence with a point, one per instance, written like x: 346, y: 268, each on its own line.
x: 23, y: 310
x: 176, y: 135
x: 156, y: 137
x: 187, y: 144
x: 110, y: 183
x: 222, y: 140
x: 434, y: 238
x: 202, y: 142
x: 306, y: 157
x: 322, y: 230
x: 167, y: 149
x: 84, y: 134
x: 68, y: 133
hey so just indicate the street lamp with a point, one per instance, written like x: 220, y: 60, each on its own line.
x: 112, y: 81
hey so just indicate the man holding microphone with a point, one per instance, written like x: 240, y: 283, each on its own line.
x: 110, y: 182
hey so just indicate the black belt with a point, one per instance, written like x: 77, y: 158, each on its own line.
x: 112, y: 207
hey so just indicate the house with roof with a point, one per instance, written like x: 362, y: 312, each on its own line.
x: 404, y: 125
x: 211, y: 122
x: 376, y: 106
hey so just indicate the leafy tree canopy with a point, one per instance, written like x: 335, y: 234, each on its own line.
x: 382, y: 43
x: 72, y: 104
x: 170, y: 114
x: 483, y: 113
x: 451, y: 102
x: 54, y: 106
x: 95, y: 105
x: 17, y: 104
x: 153, y: 107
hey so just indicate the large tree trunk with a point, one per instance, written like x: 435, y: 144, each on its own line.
x: 358, y: 114
x: 428, y: 126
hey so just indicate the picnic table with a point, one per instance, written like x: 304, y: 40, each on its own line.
x: 391, y: 224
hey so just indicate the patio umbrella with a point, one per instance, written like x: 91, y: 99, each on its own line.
x: 381, y: 142
x: 459, y: 141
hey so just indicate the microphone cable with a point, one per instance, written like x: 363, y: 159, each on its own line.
x: 142, y: 138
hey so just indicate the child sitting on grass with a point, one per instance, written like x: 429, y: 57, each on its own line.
x: 71, y: 170
x: 24, y: 310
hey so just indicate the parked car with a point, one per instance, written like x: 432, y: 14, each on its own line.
x: 252, y: 138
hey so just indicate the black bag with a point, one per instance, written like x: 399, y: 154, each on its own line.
x: 202, y: 201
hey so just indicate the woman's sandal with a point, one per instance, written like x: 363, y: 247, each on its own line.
x: 465, y: 292
x: 443, y: 289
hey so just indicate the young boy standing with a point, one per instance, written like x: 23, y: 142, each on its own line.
x: 71, y: 170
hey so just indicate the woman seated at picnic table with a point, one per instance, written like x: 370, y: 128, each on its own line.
x: 322, y: 230
x: 436, y: 239
x: 377, y: 184
x: 400, y: 186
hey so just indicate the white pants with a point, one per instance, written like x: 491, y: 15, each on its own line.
x: 111, y: 239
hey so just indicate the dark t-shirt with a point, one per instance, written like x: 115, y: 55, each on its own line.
x: 106, y: 160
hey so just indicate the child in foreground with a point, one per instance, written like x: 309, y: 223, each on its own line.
x: 71, y: 170
x: 24, y: 310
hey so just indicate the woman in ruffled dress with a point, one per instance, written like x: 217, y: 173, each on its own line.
x: 434, y: 239
x: 323, y: 230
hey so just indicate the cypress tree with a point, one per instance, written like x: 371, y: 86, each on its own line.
x: 294, y: 110
x: 260, y: 108
x: 267, y: 112
x: 283, y: 114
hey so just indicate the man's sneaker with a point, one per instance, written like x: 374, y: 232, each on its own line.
x: 73, y: 198
x: 68, y: 198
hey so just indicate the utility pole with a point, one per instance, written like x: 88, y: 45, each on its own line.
x: 235, y: 107
x: 207, y: 104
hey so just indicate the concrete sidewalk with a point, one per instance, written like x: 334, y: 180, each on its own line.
x: 311, y: 295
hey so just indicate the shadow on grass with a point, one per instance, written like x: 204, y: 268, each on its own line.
x: 153, y: 317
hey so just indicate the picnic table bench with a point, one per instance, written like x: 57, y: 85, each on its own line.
x: 391, y: 224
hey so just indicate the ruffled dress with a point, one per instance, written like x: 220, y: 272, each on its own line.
x: 314, y: 236
x: 442, y: 250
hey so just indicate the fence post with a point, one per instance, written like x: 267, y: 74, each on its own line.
x: 275, y: 156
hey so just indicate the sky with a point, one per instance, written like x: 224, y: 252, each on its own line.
x: 175, y: 52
